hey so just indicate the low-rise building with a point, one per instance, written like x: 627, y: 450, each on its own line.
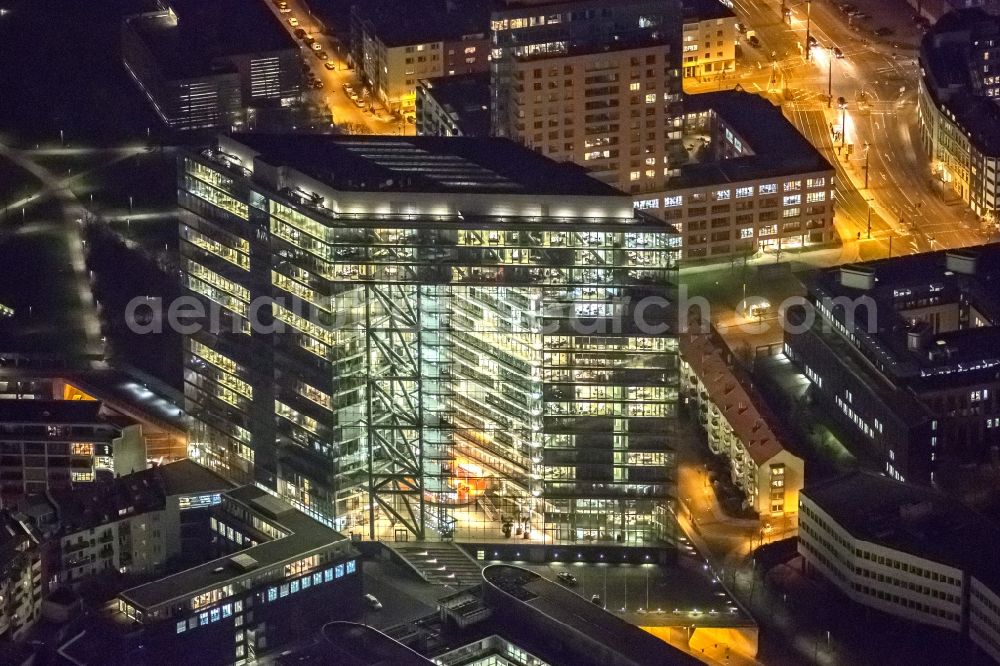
x: 222, y: 63
x: 739, y: 427
x: 905, y: 550
x: 709, y: 40
x: 752, y: 182
x: 393, y: 48
x: 131, y: 525
x: 454, y: 105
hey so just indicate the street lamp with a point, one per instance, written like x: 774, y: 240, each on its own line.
x: 867, y: 148
x: 829, y: 80
x: 869, y: 202
x: 842, y: 105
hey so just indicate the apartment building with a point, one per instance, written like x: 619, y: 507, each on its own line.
x: 592, y: 83
x: 454, y: 105
x: 487, y: 350
x: 708, y: 40
x: 393, y: 47
x: 739, y: 427
x: 905, y: 550
x: 221, y: 64
x: 22, y: 582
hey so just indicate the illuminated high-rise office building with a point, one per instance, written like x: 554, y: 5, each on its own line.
x: 432, y: 335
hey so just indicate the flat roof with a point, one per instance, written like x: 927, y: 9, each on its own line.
x: 570, y: 609
x: 66, y: 412
x: 912, y: 519
x: 706, y: 10
x: 466, y: 100
x: 482, y: 165
x: 778, y: 148
x: 353, y: 644
x: 305, y: 535
x: 898, y: 284
x: 188, y: 41
x: 424, y: 20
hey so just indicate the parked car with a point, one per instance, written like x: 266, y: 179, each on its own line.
x: 566, y: 577
x: 329, y: 65
x: 883, y: 31
x: 596, y: 599
x: 754, y: 41
x: 837, y: 52
x: 315, y: 46
x: 372, y: 602
x: 321, y: 55
x: 740, y: 28
x: 299, y: 33
x: 294, y: 22
x: 285, y: 10
x: 317, y: 84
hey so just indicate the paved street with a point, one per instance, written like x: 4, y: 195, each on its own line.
x: 369, y: 118
x: 877, y: 78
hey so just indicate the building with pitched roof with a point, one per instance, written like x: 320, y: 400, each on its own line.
x: 739, y: 426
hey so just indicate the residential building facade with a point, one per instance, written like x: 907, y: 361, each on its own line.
x: 709, y: 40
x: 221, y: 64
x: 53, y: 445
x: 592, y: 83
x: 454, y: 106
x: 393, y: 49
x: 487, y: 350
x: 22, y: 583
x: 739, y: 427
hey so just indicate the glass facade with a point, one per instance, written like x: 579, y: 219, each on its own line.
x: 439, y: 373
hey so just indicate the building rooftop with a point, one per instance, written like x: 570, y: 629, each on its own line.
x: 706, y: 10
x: 778, y: 149
x: 739, y: 404
x: 62, y: 412
x: 93, y: 504
x: 466, y: 100
x: 304, y: 536
x: 352, y: 644
x: 911, y: 519
x: 470, y: 165
x: 425, y: 20
x: 189, y: 38
x: 907, y: 350
x: 950, y: 62
x: 567, y: 608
